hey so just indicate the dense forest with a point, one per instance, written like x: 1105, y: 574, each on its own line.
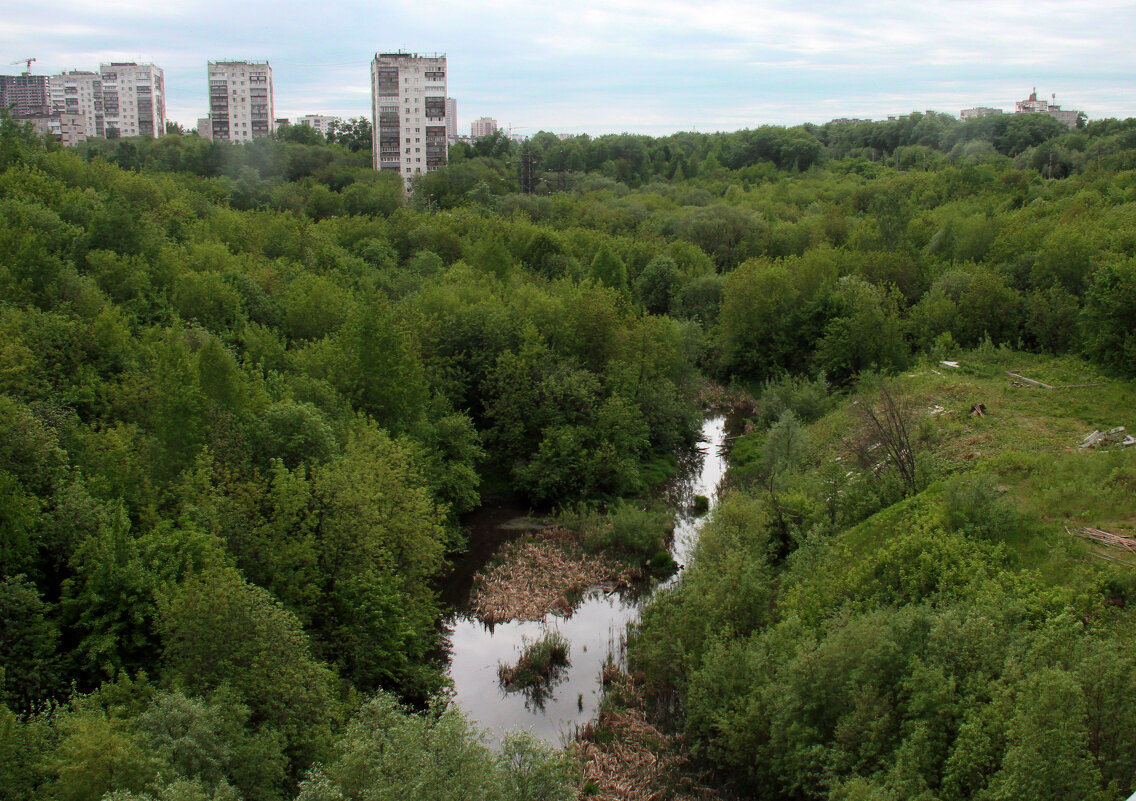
x: 247, y: 393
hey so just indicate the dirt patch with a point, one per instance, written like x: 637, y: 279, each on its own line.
x: 536, y: 577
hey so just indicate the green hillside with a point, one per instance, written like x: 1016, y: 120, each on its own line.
x: 842, y: 635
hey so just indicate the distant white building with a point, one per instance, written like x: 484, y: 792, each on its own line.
x: 320, y: 122
x: 80, y: 93
x: 408, y: 107
x: 134, y: 99
x: 482, y: 127
x: 1031, y: 105
x: 978, y: 111
x: 240, y: 100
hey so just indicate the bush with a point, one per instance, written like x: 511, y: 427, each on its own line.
x: 807, y: 398
x: 629, y: 531
x: 975, y: 505
x: 540, y: 661
x: 662, y: 563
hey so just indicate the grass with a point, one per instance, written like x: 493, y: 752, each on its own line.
x: 1028, y: 442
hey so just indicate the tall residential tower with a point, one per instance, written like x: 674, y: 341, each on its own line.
x: 451, y: 120
x: 485, y: 126
x: 408, y: 106
x: 134, y: 99
x: 240, y: 100
x: 80, y: 92
x: 25, y: 95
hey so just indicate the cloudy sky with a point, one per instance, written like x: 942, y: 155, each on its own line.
x: 602, y: 66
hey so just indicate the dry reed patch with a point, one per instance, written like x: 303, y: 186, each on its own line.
x: 535, y: 577
x: 626, y: 758
x: 716, y: 396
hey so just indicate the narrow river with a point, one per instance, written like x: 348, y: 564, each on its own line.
x: 594, y: 630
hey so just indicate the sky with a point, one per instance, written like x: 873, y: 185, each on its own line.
x: 610, y: 66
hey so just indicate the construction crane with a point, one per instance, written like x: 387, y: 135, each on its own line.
x: 27, y: 62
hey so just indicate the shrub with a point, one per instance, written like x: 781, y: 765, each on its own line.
x: 975, y: 505
x: 807, y: 398
x: 629, y: 531
x: 540, y: 661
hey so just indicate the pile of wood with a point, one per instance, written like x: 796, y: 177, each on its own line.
x: 1106, y: 538
x: 534, y: 578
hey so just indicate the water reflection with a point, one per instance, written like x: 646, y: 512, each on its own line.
x: 594, y: 629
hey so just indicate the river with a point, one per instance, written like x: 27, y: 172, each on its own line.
x: 594, y: 630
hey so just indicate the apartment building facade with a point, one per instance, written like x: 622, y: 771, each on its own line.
x: 408, y: 108
x: 80, y: 93
x: 69, y: 129
x: 25, y: 96
x: 240, y: 100
x: 320, y: 122
x: 134, y: 99
x: 977, y: 112
x: 451, y: 120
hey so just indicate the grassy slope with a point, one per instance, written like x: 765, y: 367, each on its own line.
x: 740, y: 632
x: 1029, y: 437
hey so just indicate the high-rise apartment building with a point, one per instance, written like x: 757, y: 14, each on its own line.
x: 451, y: 120
x: 240, y: 100
x: 80, y: 93
x: 408, y: 106
x: 482, y: 127
x: 25, y: 95
x: 134, y: 99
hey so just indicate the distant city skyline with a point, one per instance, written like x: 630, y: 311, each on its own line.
x: 619, y: 65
